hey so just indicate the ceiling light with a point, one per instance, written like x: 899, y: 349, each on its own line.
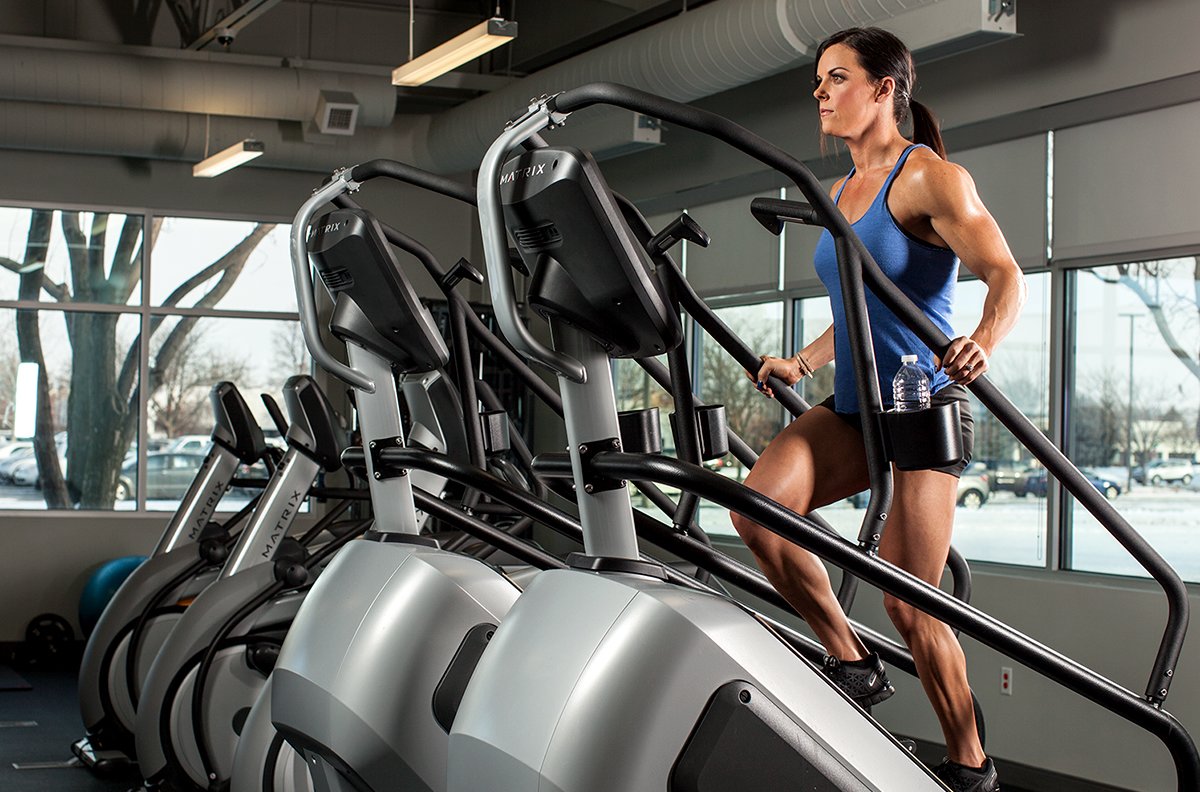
x: 484, y: 37
x: 239, y: 153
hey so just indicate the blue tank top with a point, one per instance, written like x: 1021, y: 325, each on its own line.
x: 925, y: 273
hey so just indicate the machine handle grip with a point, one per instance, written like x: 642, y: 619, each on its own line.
x: 495, y: 249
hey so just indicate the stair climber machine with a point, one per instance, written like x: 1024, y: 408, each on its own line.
x: 439, y: 421
x: 606, y: 679
x: 368, y: 680
x: 185, y: 560
x: 216, y: 659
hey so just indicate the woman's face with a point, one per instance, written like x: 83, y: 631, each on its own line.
x: 846, y: 99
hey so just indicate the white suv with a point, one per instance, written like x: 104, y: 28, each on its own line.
x: 1165, y: 471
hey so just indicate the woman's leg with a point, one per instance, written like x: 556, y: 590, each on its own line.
x: 917, y: 539
x: 816, y: 460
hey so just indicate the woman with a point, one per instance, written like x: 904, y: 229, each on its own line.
x: 919, y: 215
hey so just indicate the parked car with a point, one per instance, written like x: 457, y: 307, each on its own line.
x: 1164, y: 471
x: 189, y: 444
x: 974, y: 489
x: 1003, y: 475
x: 8, y: 449
x: 1034, y: 484
x: 26, y: 473
x: 168, y: 476
x: 11, y: 461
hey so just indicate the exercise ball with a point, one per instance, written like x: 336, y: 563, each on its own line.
x: 100, y: 588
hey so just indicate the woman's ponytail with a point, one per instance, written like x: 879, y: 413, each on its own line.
x: 926, y: 128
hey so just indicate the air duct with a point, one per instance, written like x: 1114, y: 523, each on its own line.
x: 719, y: 46
x: 164, y: 96
x: 146, y: 78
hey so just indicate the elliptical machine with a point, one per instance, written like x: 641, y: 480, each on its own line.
x: 107, y: 693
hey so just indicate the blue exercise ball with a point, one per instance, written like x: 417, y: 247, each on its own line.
x: 101, y: 587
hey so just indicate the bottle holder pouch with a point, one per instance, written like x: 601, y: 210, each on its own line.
x: 640, y: 433
x: 923, y: 439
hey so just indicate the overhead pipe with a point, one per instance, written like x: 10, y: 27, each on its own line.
x: 144, y: 78
x: 719, y: 46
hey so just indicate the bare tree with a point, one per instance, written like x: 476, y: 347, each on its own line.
x: 290, y: 354
x: 754, y: 417
x: 179, y: 402
x: 102, y: 407
x: 1174, y: 308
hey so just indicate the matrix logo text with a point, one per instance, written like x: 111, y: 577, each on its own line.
x: 523, y: 173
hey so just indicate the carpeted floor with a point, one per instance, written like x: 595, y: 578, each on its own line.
x: 38, y: 725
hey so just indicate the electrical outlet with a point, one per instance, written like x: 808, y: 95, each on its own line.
x: 1006, y: 681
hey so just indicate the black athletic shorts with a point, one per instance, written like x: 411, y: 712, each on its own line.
x: 951, y: 393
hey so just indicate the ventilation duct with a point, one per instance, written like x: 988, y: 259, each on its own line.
x: 146, y: 78
x: 717, y: 47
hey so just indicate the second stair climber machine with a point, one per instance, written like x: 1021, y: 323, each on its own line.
x: 370, y: 674
x: 185, y: 729
x: 182, y: 563
x: 603, y: 678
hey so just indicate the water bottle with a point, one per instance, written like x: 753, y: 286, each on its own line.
x: 910, y: 388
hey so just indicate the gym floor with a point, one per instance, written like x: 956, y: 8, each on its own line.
x: 39, y: 719
x: 38, y: 722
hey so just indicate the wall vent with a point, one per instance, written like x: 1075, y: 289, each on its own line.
x: 337, y: 113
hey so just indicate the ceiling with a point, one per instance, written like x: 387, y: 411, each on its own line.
x: 365, y: 32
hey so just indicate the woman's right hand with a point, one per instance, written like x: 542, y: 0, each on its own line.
x: 787, y: 370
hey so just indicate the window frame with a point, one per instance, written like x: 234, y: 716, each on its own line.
x: 145, y: 311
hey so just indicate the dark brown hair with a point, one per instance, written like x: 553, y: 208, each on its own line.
x: 881, y: 54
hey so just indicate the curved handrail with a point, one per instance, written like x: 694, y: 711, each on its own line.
x: 984, y: 628
x: 857, y: 266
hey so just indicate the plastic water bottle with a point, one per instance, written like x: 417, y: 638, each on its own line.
x: 910, y: 388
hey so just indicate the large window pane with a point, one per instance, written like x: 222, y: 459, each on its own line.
x: 187, y: 356
x: 85, y: 404
x: 993, y: 521
x: 721, y: 380
x: 1133, y: 416
x: 225, y: 264
x: 56, y: 256
x: 813, y: 317
x: 1009, y: 524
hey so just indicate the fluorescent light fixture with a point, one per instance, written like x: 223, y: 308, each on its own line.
x: 26, y: 401
x: 237, y: 154
x: 484, y: 37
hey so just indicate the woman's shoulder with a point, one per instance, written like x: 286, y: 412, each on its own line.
x: 932, y: 181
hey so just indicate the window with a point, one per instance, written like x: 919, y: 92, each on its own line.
x: 1132, y: 423
x: 812, y: 318
x: 1009, y: 523
x: 74, y: 311
x: 720, y: 380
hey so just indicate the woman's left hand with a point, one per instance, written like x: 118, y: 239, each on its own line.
x: 965, y: 360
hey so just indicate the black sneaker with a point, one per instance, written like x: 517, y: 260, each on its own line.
x: 960, y: 778
x: 864, y: 680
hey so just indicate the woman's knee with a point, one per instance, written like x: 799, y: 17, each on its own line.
x: 906, y: 619
x: 757, y: 539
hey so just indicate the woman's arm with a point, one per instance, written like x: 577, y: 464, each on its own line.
x: 792, y: 370
x: 960, y: 218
